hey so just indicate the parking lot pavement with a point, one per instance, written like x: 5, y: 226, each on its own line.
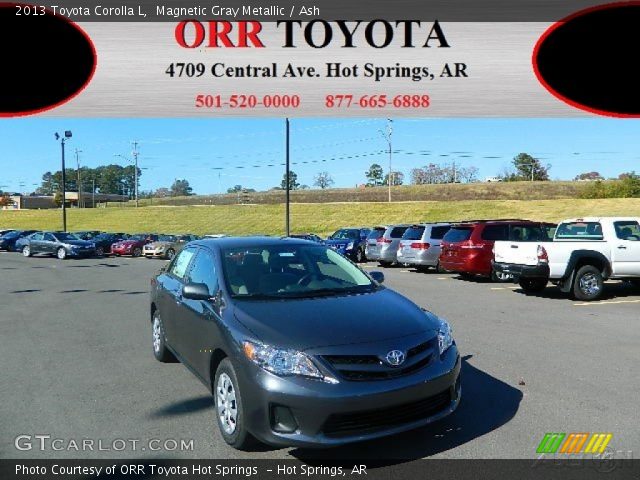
x: 77, y: 364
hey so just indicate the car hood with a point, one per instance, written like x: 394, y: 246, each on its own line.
x: 330, y: 321
x: 129, y: 242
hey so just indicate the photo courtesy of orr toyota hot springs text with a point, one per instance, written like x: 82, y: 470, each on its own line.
x: 322, y: 239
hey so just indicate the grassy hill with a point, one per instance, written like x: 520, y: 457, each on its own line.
x: 308, y: 217
x: 404, y: 193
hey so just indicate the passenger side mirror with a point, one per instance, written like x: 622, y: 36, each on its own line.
x: 196, y: 291
x: 377, y: 276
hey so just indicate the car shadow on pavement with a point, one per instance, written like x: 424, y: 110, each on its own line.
x: 182, y: 407
x: 611, y: 291
x: 487, y: 403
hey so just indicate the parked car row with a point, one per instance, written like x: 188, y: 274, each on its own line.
x: 92, y: 243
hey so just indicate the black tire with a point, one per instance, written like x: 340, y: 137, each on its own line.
x: 160, y: 350
x: 26, y: 251
x: 588, y: 283
x: 239, y: 438
x: 137, y: 252
x: 532, y: 284
x: 100, y: 251
x: 170, y: 254
x: 500, y: 277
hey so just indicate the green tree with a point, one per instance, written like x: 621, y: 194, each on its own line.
x: 234, y: 189
x: 397, y: 178
x: 375, y: 175
x: 181, y: 188
x: 323, y: 180
x: 293, y: 181
x: 528, y: 168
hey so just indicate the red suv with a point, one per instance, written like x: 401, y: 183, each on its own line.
x: 467, y: 248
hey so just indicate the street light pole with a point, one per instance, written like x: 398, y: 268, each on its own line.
x: 287, y: 222
x: 135, y: 160
x: 63, y: 138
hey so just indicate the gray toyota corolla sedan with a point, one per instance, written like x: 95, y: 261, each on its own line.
x: 299, y: 346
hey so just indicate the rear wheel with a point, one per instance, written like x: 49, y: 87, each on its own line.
x: 229, y: 407
x: 532, y: 284
x: 137, y: 252
x: 588, y: 283
x: 26, y: 251
x: 360, y: 256
x: 100, y: 251
x: 61, y: 253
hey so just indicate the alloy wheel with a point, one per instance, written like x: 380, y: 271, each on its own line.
x: 26, y: 251
x: 62, y: 253
x: 157, y: 334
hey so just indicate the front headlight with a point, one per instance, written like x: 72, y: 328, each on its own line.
x: 282, y: 362
x: 445, y: 336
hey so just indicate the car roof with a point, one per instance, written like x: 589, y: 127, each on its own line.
x: 249, y: 242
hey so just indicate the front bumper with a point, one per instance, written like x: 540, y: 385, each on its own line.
x: 541, y: 270
x: 154, y: 253
x: 314, y: 403
x: 74, y: 252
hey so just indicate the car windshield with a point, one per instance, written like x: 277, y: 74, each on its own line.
x: 291, y: 271
x: 458, y: 234
x: 346, y: 234
x: 137, y: 237
x: 66, y: 237
x: 104, y: 236
x: 167, y: 238
x: 14, y: 234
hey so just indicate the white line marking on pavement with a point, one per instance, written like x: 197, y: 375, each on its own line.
x: 608, y: 302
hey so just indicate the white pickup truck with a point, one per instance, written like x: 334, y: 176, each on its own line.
x: 583, y: 254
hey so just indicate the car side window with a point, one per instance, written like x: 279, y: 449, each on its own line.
x: 628, y: 230
x: 204, y: 271
x: 181, y: 263
x: 495, y: 232
x: 37, y: 236
x: 49, y: 238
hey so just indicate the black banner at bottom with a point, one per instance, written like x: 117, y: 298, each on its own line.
x: 541, y: 468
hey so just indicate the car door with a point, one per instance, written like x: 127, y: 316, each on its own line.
x: 170, y: 296
x: 625, y: 248
x: 48, y: 243
x: 197, y: 332
x: 35, y: 242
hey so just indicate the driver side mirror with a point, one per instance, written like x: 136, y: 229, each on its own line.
x: 196, y: 291
x: 377, y: 276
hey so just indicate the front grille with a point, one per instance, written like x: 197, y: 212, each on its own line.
x: 371, y: 367
x: 369, y: 421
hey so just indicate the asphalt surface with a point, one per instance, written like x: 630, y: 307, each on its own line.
x: 77, y: 364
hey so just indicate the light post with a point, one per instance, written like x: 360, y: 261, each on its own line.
x: 63, y: 138
x: 80, y: 203
x: 387, y: 136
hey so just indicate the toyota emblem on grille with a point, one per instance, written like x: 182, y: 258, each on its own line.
x: 395, y: 358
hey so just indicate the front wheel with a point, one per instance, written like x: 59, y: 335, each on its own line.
x: 588, y: 283
x: 160, y: 350
x: 170, y: 254
x: 360, y: 256
x: 229, y: 407
x: 137, y: 252
x: 533, y: 284
x: 61, y: 253
x: 26, y: 251
x: 100, y: 251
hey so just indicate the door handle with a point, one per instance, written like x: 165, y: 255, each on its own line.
x: 622, y: 247
x: 514, y: 246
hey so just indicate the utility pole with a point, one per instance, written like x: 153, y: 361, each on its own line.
x: 287, y: 185
x: 387, y: 136
x: 79, y: 182
x: 135, y: 159
x: 63, y: 138
x: 93, y: 194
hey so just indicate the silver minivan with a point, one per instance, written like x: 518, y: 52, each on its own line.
x: 385, y: 246
x: 420, y: 245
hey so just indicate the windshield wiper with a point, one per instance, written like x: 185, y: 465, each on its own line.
x: 323, y: 292
x: 255, y: 296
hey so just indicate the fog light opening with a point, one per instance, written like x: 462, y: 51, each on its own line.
x: 282, y: 419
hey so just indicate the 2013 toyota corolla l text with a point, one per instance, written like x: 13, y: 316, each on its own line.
x: 299, y: 346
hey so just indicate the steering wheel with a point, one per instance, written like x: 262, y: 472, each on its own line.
x: 306, y: 279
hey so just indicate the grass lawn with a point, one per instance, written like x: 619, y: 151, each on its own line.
x: 321, y: 218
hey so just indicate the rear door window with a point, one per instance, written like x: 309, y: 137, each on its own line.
x: 627, y: 230
x: 413, y: 233
x: 528, y: 233
x: 438, y: 233
x: 458, y: 234
x: 495, y: 232
x: 397, y: 232
x: 181, y: 263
